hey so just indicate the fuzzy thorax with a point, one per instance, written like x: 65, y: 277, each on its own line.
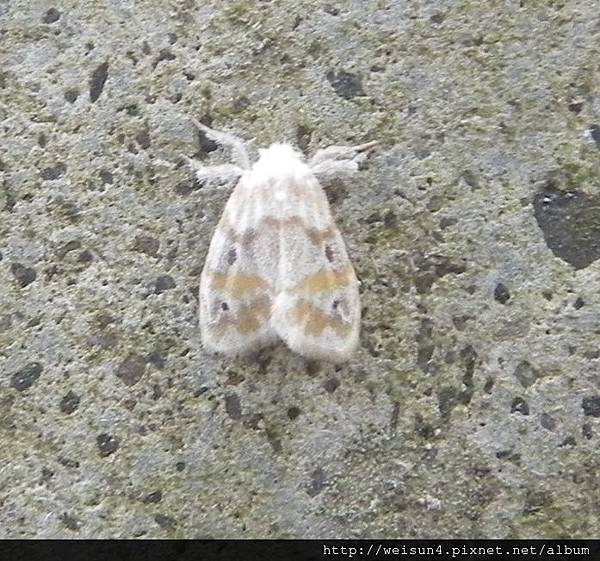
x: 279, y: 162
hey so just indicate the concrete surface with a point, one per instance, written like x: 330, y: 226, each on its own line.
x: 473, y: 406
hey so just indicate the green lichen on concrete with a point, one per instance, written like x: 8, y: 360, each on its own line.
x: 574, y: 172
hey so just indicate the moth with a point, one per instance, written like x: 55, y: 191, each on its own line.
x: 277, y: 266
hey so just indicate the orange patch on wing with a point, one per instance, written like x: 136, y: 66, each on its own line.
x: 249, y: 318
x: 327, y: 281
x: 238, y: 285
x: 314, y: 321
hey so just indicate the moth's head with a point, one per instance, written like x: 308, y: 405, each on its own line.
x: 280, y: 160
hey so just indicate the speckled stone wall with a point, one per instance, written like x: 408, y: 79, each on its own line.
x: 473, y: 406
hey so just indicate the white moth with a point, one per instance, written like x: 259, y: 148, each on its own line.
x: 277, y: 266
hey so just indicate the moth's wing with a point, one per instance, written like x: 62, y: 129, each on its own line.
x: 236, y: 293
x: 316, y: 309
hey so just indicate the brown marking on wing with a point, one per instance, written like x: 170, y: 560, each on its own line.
x: 245, y: 239
x: 272, y: 222
x: 249, y: 317
x: 247, y: 320
x: 314, y: 321
x: 326, y: 281
x: 237, y: 285
x: 316, y: 236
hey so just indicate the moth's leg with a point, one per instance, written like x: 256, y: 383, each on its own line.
x: 341, y: 153
x: 238, y: 149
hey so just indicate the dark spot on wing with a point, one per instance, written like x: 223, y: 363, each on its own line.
x: 329, y: 253
x: 224, y: 306
x: 231, y: 256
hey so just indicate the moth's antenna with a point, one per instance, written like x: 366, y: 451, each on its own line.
x: 238, y: 149
x: 341, y: 152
